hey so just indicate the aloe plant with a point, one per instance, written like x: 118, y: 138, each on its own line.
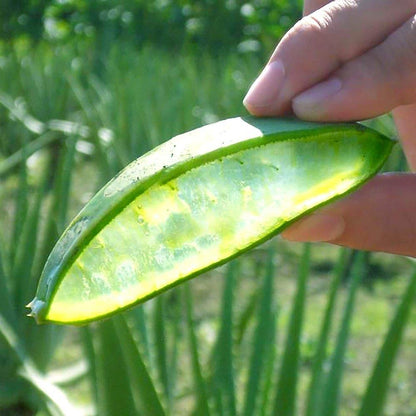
x: 196, y: 201
x: 26, y: 348
x: 258, y: 376
x: 166, y: 354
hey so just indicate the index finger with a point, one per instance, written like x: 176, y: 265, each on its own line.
x: 405, y: 120
x: 319, y: 44
x: 310, y: 6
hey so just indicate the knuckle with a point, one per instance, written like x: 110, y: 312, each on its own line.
x: 391, y: 65
x: 313, y: 27
x: 400, y: 62
x: 326, y: 28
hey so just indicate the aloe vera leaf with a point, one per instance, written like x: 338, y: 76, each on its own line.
x: 53, y: 395
x: 332, y: 383
x: 314, y: 391
x: 377, y: 388
x: 222, y: 380
x: 287, y: 384
x: 115, y: 388
x: 200, y: 386
x: 260, y: 348
x: 29, y: 149
x: 195, y: 202
x: 148, y: 401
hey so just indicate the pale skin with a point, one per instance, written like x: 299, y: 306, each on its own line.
x: 351, y: 60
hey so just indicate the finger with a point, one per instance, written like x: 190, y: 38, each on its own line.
x: 320, y: 43
x: 309, y: 6
x: 372, y: 84
x: 405, y: 119
x: 378, y: 217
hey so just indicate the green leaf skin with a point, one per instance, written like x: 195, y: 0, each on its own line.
x: 194, y: 202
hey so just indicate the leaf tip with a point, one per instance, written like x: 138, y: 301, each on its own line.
x: 37, y: 308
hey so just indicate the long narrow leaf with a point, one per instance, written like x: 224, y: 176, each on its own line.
x: 160, y: 345
x: 321, y: 349
x: 223, y: 379
x: 261, y: 333
x: 146, y: 396
x: 52, y: 394
x: 21, y: 209
x: 6, y: 308
x: 139, y: 321
x: 377, y: 388
x: 63, y: 182
x: 25, y: 252
x: 285, y: 400
x: 115, y: 396
x: 22, y: 154
x: 89, y: 353
x: 200, y: 387
x: 271, y: 368
x: 176, y: 334
x: 245, y: 318
x: 329, y: 405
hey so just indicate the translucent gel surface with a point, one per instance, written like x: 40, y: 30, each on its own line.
x: 202, y: 217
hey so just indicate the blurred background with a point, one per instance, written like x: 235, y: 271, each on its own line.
x: 286, y: 329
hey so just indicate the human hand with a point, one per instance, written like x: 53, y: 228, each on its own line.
x: 351, y: 60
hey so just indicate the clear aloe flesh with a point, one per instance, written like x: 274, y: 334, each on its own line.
x: 208, y: 214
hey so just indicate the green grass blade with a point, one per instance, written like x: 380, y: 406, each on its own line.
x: 41, y: 342
x: 223, y: 376
x: 261, y: 333
x: 63, y: 182
x: 176, y: 336
x: 29, y: 149
x: 329, y: 403
x: 271, y: 368
x: 321, y: 349
x: 51, y: 394
x: 25, y: 251
x: 200, y: 387
x: 138, y: 321
x: 377, y: 388
x: 245, y: 318
x: 91, y: 357
x: 147, y: 399
x: 56, y: 217
x: 6, y: 306
x: 160, y: 345
x: 115, y: 395
x: 21, y: 208
x: 285, y: 399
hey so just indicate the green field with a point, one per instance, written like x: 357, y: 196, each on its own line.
x: 241, y: 339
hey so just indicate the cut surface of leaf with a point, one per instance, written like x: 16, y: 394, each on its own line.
x: 194, y: 202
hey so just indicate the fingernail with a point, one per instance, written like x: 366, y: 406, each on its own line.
x: 312, y: 104
x: 266, y: 87
x: 317, y: 227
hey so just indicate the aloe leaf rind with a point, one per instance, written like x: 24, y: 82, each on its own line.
x: 195, y: 202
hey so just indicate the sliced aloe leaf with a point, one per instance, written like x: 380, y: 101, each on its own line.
x: 195, y: 202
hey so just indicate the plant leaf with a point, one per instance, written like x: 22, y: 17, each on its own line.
x: 223, y: 383
x: 331, y: 388
x: 195, y: 202
x: 202, y: 408
x: 260, y: 350
x: 320, y: 355
x: 285, y: 400
x: 376, y: 394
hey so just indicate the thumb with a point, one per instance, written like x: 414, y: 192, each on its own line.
x: 378, y: 217
x: 371, y: 84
